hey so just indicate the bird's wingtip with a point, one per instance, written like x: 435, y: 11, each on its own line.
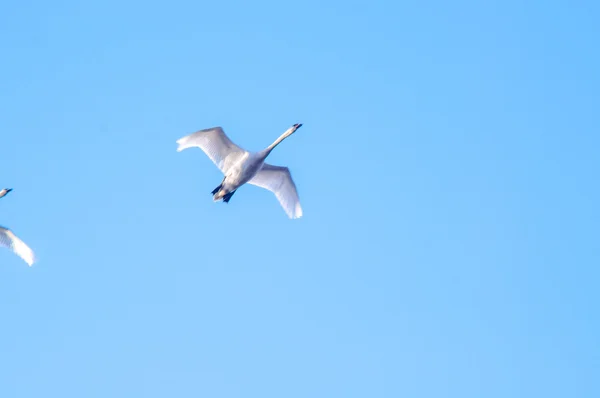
x: 182, y: 143
x: 297, y: 212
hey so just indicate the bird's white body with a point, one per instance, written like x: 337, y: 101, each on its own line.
x: 240, y: 167
x: 242, y: 171
x: 9, y: 240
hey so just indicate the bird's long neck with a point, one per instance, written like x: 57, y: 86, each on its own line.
x: 278, y: 140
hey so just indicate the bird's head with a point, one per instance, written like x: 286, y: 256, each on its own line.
x: 293, y: 129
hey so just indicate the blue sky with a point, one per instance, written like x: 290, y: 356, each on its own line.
x: 447, y: 169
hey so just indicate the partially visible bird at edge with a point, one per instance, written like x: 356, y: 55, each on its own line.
x: 240, y: 167
x: 9, y: 240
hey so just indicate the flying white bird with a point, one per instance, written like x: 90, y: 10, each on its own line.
x: 240, y: 166
x: 9, y: 240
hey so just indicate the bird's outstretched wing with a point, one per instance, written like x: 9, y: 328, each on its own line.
x: 9, y: 240
x: 217, y: 146
x: 279, y: 181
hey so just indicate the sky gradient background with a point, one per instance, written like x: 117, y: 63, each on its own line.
x: 447, y: 169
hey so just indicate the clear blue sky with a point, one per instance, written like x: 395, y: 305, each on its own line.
x: 447, y: 168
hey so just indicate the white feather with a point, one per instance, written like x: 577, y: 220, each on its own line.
x: 279, y: 181
x: 217, y: 146
x: 9, y: 240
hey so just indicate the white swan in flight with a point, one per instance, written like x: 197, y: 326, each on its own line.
x: 9, y: 240
x: 240, y: 166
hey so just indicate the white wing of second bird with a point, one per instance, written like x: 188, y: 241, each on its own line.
x: 11, y: 241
